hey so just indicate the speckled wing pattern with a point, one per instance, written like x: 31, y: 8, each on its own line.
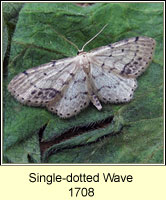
x: 67, y: 86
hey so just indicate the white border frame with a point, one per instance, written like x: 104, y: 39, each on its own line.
x: 2, y: 85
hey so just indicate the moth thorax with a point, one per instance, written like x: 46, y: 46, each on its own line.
x: 86, y: 68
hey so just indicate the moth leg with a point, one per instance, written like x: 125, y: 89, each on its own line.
x: 91, y: 88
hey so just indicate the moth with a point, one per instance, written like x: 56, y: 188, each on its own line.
x: 106, y: 74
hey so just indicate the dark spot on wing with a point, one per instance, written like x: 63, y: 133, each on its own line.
x: 25, y: 72
x: 102, y: 65
x: 39, y: 93
x: 136, y: 39
x: 34, y: 91
x: 126, y: 65
x: 52, y: 94
x: 53, y: 63
x: 71, y: 74
x: 85, y: 93
x: 128, y: 71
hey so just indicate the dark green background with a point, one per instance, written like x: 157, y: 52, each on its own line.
x: 124, y: 133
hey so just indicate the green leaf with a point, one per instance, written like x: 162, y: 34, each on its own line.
x: 5, y: 38
x: 25, y: 152
x: 10, y: 17
x: 123, y: 133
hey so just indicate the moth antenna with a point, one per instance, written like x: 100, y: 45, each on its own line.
x: 92, y: 38
x: 69, y: 42
x: 65, y: 38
